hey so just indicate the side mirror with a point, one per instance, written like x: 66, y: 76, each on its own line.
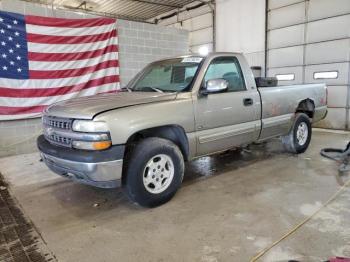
x: 213, y: 86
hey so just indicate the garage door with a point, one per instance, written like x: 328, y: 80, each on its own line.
x: 199, y: 23
x: 309, y: 42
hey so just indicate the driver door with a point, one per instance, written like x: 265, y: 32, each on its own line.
x: 228, y: 119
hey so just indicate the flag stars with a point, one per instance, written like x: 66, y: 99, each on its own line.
x: 13, y: 52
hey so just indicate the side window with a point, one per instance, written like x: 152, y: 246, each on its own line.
x: 229, y: 69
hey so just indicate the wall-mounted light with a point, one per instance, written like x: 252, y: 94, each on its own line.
x: 203, y: 50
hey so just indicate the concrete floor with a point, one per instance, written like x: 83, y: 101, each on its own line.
x: 231, y: 206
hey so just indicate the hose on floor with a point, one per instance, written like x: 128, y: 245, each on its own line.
x: 342, y: 156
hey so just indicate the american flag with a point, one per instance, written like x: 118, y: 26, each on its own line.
x: 44, y: 60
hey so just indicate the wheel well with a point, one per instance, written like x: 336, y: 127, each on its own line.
x: 174, y: 133
x: 306, y: 106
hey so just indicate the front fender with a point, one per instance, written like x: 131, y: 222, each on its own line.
x: 124, y: 122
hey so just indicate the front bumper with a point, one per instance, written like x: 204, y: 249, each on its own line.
x: 96, y: 168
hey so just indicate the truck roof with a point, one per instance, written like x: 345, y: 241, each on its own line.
x: 211, y: 54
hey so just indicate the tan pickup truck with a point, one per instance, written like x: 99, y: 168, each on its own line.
x: 173, y: 111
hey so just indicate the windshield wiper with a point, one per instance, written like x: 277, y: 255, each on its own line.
x: 156, y: 89
x: 153, y: 88
x: 126, y: 88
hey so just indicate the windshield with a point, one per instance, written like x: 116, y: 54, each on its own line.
x: 172, y: 75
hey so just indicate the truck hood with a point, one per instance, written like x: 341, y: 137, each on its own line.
x: 88, y: 107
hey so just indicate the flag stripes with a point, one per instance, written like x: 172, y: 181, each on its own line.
x: 61, y: 59
x: 54, y: 91
x: 68, y: 23
x: 49, y: 74
x: 51, y: 57
x: 54, y: 31
x: 38, y: 83
x: 50, y: 39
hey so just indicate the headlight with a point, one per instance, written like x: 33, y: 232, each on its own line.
x: 89, y: 126
x: 100, y: 145
x: 87, y: 140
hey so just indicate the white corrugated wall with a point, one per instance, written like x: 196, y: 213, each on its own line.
x: 199, y: 23
x: 240, y: 27
x: 309, y: 37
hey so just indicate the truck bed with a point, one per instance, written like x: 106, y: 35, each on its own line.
x: 280, y: 102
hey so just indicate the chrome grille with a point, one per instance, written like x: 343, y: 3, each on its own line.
x: 59, y: 140
x: 52, y: 124
x: 62, y: 123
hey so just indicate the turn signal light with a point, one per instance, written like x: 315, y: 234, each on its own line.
x: 98, y: 145
x: 101, y: 145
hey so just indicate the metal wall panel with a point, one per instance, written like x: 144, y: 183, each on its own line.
x: 328, y: 29
x: 297, y: 71
x: 319, y: 9
x: 315, y: 35
x: 341, y: 68
x: 327, y: 52
x: 255, y: 58
x: 280, y: 3
x: 286, y: 16
x: 200, y: 37
x: 337, y: 96
x: 196, y: 49
x: 336, y: 119
x: 289, y: 56
x: 169, y: 21
x: 199, y: 22
x: 287, y: 36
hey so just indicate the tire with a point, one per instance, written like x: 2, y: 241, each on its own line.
x: 299, y: 137
x: 154, y: 172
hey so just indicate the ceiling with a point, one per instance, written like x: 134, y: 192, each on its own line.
x: 138, y: 10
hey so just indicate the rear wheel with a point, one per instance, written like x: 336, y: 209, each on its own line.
x: 154, y: 172
x: 299, y: 137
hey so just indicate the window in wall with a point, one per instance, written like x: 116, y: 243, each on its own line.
x: 285, y: 77
x: 326, y: 75
x: 229, y: 69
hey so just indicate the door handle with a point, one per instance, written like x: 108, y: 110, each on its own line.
x: 247, y: 101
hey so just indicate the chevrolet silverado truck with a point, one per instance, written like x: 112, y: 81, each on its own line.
x: 173, y: 111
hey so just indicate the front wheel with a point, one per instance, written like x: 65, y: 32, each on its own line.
x: 154, y: 172
x: 299, y: 137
